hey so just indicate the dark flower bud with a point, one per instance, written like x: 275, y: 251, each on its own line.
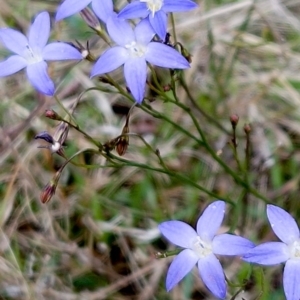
x: 105, y: 80
x: 234, y: 119
x: 48, y: 192
x: 122, y: 145
x: 123, y: 141
x: 167, y: 87
x: 247, y: 128
x: 51, y: 114
x: 50, y: 188
x: 167, y: 39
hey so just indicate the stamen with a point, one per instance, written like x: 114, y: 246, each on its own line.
x: 153, y: 5
x: 201, y: 248
x: 32, y: 56
x: 135, y: 50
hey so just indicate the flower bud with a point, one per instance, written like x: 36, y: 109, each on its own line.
x: 123, y: 141
x: 247, y: 128
x: 122, y: 145
x: 47, y: 193
x: 51, y: 114
x: 234, y: 119
x: 50, y: 188
x: 167, y: 87
x: 90, y: 19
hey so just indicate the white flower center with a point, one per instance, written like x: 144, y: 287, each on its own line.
x: 201, y: 248
x: 135, y: 50
x: 55, y: 147
x: 32, y: 55
x: 154, y: 5
x: 294, y: 249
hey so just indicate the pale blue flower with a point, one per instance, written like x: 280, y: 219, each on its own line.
x: 287, y: 251
x: 134, y: 50
x: 201, y: 248
x: 156, y: 11
x: 32, y: 53
x: 102, y: 8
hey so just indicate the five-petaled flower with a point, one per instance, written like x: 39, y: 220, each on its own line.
x: 102, y: 8
x: 156, y: 11
x: 32, y: 53
x: 288, y: 251
x: 201, y: 247
x: 134, y: 50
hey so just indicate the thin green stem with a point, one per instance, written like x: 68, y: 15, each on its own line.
x: 159, y: 115
x: 173, y: 28
x: 87, y: 136
x: 64, y: 109
x: 197, y: 107
x: 179, y: 177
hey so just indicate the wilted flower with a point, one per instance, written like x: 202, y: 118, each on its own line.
x: 50, y: 188
x: 134, y: 50
x: 156, y: 11
x: 48, y: 191
x: 32, y: 53
x: 55, y: 145
x: 56, y: 142
x: 102, y: 8
x: 201, y: 248
x: 287, y: 251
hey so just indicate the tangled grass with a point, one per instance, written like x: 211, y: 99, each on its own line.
x: 98, y: 237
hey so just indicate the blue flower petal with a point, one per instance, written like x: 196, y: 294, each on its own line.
x: 135, y: 72
x: 176, y: 6
x: 120, y: 31
x: 212, y: 275
x: 210, y: 221
x: 159, y: 23
x: 282, y: 223
x: 144, y: 32
x: 291, y: 280
x: 70, y: 7
x: 39, y: 31
x: 12, y: 65
x: 268, y: 254
x: 60, y: 51
x: 165, y: 56
x: 180, y: 267
x: 135, y: 9
x: 228, y: 244
x: 39, y: 78
x: 178, y: 233
x: 103, y: 9
x: 110, y: 60
x: 13, y: 40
